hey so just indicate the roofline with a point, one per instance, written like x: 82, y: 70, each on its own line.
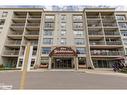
x: 22, y: 9
x: 85, y: 9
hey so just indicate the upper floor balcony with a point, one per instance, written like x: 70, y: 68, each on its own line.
x: 11, y: 53
x: 13, y: 42
x: 114, y: 42
x: 93, y: 17
x: 108, y: 25
x: 97, y: 42
x: 110, y: 33
x: 108, y: 53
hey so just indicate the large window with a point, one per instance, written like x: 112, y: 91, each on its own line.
x: 63, y: 32
x: 77, y: 18
x: 120, y: 17
x: 46, y: 50
x: 63, y: 25
x: 63, y: 17
x: 48, y: 33
x: 79, y: 41
x: 78, y: 33
x: 78, y: 25
x: 123, y: 25
x: 47, y: 41
x: 49, y: 25
x: 49, y: 18
x: 124, y: 33
x: 80, y: 50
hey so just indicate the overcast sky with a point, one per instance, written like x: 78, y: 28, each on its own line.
x: 64, y: 2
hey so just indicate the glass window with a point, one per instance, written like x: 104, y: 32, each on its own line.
x: 125, y: 41
x: 49, y: 18
x: 121, y: 17
x: 63, y: 41
x: 81, y: 50
x: 48, y: 33
x: 4, y: 14
x: 46, y: 50
x: 124, y: 33
x: 47, y: 41
x: 63, y: 17
x: 2, y: 21
x: 63, y: 33
x: 77, y: 18
x: 78, y: 25
x: 123, y: 25
x: 79, y: 41
x: 63, y: 25
x: 78, y: 33
x: 49, y: 25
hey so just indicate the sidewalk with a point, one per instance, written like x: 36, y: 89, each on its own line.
x: 105, y: 72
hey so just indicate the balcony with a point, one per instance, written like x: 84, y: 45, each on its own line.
x: 13, y: 43
x: 111, y: 33
x: 106, y: 53
x: 93, y: 17
x: 34, y: 43
x: 95, y: 33
x: 17, y: 26
x: 113, y: 42
x: 97, y: 43
x: 16, y: 33
x: 35, y: 33
x: 110, y: 25
x: 12, y: 53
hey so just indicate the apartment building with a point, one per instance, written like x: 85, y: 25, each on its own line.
x: 91, y: 38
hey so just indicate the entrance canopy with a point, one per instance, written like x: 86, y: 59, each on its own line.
x: 63, y: 51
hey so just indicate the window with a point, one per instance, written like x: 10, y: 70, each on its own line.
x: 4, y: 14
x: 77, y: 18
x: 46, y: 50
x: 49, y: 18
x: 63, y: 33
x: 2, y: 21
x: 81, y: 50
x: 63, y: 17
x: 125, y: 41
x: 32, y: 63
x: 78, y: 33
x: 63, y: 41
x: 48, y: 33
x: 122, y: 17
x: 48, y: 41
x: 49, y: 25
x: 79, y: 41
x: 78, y: 25
x: 124, y: 33
x: 63, y: 25
x: 123, y: 25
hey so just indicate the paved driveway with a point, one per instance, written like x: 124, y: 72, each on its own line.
x: 64, y: 80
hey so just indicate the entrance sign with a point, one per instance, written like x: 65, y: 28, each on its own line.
x: 63, y: 51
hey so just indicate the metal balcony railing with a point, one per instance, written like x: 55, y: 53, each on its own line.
x: 97, y: 43
x: 32, y: 33
x: 107, y: 53
x: 11, y: 52
x: 33, y: 24
x: 31, y: 42
x: 112, y: 33
x: 15, y: 33
x: 95, y: 33
x: 13, y: 42
x: 93, y: 17
x: 17, y: 24
x: 113, y: 42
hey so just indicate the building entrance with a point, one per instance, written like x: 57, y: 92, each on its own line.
x: 62, y: 63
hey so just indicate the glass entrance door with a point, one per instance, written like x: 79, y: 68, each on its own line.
x: 62, y: 63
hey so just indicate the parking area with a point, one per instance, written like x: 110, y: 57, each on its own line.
x: 64, y: 80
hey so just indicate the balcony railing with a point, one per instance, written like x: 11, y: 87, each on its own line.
x: 95, y: 33
x: 107, y: 53
x: 13, y: 43
x: 32, y: 33
x: 33, y: 24
x: 11, y: 52
x: 109, y: 25
x: 15, y: 33
x: 93, y: 17
x: 113, y: 42
x: 112, y: 33
x: 17, y: 24
x: 31, y: 42
x: 97, y: 43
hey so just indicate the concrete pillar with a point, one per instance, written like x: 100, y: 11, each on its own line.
x: 50, y: 63
x: 76, y: 63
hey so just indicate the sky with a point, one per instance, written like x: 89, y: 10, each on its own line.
x: 64, y: 2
